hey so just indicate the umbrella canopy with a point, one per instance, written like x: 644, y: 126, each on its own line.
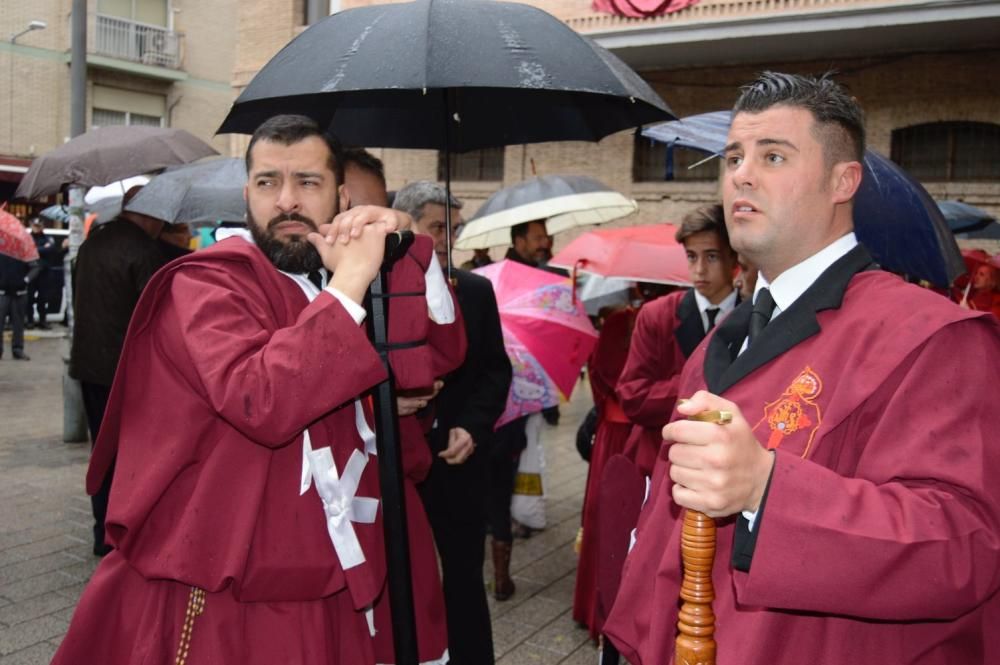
x: 547, y: 335
x: 114, y: 190
x: 448, y: 74
x: 57, y: 213
x: 104, y: 155
x: 208, y: 191
x: 597, y: 292
x: 967, y: 221
x: 963, y: 217
x: 564, y: 201
x: 15, y: 239
x: 637, y: 253
x: 894, y: 216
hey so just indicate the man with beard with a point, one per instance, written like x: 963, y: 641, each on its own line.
x: 244, y: 513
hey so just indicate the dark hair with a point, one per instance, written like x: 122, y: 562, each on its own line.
x: 290, y: 129
x: 710, y: 218
x: 840, y: 122
x: 365, y: 161
x: 521, y: 230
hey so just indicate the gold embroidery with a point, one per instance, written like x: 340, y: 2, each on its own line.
x: 796, y: 410
x: 195, y: 607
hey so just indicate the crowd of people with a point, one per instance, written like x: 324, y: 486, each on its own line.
x: 234, y: 472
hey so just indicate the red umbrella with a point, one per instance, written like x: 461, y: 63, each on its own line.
x: 15, y: 240
x: 636, y: 253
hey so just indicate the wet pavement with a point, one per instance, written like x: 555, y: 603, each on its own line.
x: 45, y: 521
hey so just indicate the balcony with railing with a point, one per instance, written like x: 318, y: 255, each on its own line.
x: 137, y: 42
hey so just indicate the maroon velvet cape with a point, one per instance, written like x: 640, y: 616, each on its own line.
x: 647, y: 387
x: 225, y: 364
x: 879, y: 541
x: 605, y: 366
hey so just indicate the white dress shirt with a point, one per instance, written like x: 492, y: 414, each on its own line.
x: 725, y: 306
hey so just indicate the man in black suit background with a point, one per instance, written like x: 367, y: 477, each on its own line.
x: 463, y: 415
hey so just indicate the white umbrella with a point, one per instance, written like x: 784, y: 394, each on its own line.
x: 564, y: 201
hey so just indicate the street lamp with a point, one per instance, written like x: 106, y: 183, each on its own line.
x: 34, y: 25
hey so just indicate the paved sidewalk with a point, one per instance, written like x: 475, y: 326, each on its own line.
x: 45, y: 519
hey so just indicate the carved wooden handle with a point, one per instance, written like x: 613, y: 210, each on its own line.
x: 696, y: 622
x: 695, y: 643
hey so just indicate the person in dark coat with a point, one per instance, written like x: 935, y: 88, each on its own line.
x: 114, y: 264
x: 15, y: 278
x: 40, y: 289
x: 461, y: 437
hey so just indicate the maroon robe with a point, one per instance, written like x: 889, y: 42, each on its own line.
x: 225, y: 364
x: 878, y: 540
x: 666, y: 332
x: 613, y: 427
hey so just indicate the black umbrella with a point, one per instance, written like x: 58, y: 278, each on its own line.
x: 448, y: 74
x: 453, y: 75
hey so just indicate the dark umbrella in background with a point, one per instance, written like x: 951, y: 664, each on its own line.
x: 452, y: 75
x: 894, y: 216
x: 107, y: 154
x: 969, y: 222
x: 203, y: 192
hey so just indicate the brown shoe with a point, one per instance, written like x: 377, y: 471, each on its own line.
x: 503, y: 585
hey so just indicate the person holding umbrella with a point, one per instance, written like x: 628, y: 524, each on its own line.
x: 858, y: 512
x: 244, y: 514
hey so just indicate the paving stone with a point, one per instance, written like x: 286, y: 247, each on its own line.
x: 530, y: 654
x: 32, y: 608
x: 536, y: 611
x: 561, y: 635
x: 37, y: 654
x: 29, y: 633
x: 508, y: 634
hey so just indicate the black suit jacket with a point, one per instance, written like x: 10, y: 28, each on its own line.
x: 475, y: 394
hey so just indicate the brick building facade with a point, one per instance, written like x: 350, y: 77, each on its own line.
x: 159, y: 62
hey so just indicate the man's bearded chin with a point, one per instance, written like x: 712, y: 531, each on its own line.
x: 293, y: 254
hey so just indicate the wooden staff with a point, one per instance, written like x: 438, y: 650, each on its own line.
x: 695, y: 643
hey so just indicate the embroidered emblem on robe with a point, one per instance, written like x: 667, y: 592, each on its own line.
x: 795, y: 412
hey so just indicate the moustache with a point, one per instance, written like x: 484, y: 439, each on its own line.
x: 292, y: 217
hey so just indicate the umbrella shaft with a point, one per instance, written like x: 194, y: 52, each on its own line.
x: 390, y: 466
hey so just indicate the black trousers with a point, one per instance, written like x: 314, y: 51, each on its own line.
x: 13, y: 305
x: 509, y: 441
x: 455, y: 499
x: 95, y: 401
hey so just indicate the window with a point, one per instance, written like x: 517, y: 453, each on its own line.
x: 653, y: 161
x: 947, y: 151
x: 107, y: 117
x: 478, y: 165
x: 118, y: 106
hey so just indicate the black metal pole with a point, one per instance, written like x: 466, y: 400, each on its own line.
x: 390, y: 466
x: 447, y: 179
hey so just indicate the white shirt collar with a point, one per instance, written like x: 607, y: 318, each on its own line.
x: 791, y: 284
x: 725, y: 305
x: 302, y: 279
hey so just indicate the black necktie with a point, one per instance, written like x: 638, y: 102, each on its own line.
x: 316, y: 278
x: 711, y: 312
x: 762, y: 310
